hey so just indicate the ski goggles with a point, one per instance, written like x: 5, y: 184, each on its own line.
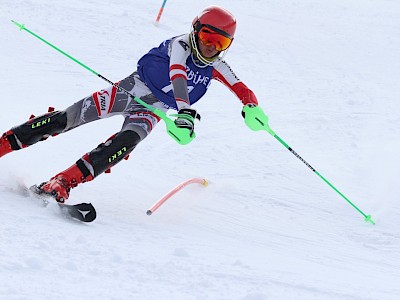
x: 214, y: 37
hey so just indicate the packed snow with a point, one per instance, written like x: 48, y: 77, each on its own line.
x: 266, y: 227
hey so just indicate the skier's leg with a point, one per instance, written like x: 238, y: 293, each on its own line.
x: 91, y: 164
x: 136, y: 127
x: 50, y: 124
x: 29, y: 133
x: 138, y: 124
x: 101, y: 104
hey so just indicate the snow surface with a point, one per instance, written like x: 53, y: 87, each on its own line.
x: 326, y: 72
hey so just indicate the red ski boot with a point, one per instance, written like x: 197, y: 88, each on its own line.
x: 60, y: 185
x: 5, y: 146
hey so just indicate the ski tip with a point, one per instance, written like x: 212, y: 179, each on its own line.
x: 149, y: 212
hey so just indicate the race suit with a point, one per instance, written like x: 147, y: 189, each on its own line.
x: 167, y: 77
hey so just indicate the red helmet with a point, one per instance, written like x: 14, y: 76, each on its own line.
x: 216, y: 17
x: 214, y: 25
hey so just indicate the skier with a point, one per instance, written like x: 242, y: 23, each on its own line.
x: 174, y: 75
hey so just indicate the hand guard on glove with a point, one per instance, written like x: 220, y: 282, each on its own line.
x: 255, y: 118
x: 185, y: 119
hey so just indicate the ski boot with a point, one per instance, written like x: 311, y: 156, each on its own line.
x: 5, y: 145
x: 60, y: 185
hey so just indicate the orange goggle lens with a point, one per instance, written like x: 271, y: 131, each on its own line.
x: 209, y: 37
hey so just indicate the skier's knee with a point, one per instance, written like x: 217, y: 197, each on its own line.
x: 113, y: 151
x: 40, y: 127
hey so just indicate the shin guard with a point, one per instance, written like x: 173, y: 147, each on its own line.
x: 39, y: 128
x: 111, y: 152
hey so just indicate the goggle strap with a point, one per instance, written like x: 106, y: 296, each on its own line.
x: 198, y: 27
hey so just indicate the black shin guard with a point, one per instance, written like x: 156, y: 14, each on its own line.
x: 113, y: 151
x: 41, y: 127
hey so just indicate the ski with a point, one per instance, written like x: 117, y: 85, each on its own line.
x: 84, y: 212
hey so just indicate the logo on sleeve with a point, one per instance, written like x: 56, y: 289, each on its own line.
x: 184, y: 45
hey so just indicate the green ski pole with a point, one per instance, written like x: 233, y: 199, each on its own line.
x: 256, y: 119
x: 181, y: 135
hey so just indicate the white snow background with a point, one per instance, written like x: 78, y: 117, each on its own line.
x: 327, y: 74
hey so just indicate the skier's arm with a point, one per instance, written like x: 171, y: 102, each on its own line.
x: 223, y: 73
x: 179, y: 52
x: 254, y: 116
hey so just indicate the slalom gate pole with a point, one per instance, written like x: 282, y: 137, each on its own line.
x: 257, y: 120
x: 161, y: 11
x: 172, y: 192
x: 181, y: 135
